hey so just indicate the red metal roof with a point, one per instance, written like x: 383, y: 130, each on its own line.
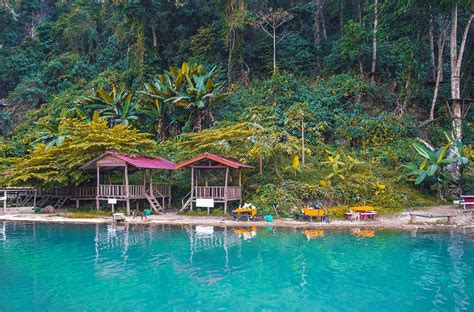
x: 140, y: 162
x: 222, y: 160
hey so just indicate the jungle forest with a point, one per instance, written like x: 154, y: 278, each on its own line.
x: 339, y: 101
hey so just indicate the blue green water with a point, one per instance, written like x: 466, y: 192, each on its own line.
x: 88, y: 267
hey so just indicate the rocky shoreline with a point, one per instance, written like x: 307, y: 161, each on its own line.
x: 461, y: 221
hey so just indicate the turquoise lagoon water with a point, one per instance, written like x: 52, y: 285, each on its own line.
x: 88, y: 267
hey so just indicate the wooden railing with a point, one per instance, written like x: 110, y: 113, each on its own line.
x: 119, y: 191
x: 105, y: 190
x: 136, y: 191
x: 83, y: 192
x: 234, y: 192
x: 216, y: 192
x: 162, y: 190
x: 112, y: 191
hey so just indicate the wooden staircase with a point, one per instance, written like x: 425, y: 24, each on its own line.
x: 60, y: 202
x: 25, y: 200
x: 154, y: 204
x: 42, y: 201
x: 186, y: 202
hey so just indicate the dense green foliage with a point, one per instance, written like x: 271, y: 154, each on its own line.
x: 323, y: 126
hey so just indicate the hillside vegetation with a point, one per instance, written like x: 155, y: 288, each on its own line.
x: 342, y: 102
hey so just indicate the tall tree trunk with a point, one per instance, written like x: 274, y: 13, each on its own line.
x: 274, y: 51
x: 154, y: 36
x: 231, y: 50
x: 374, y: 43
x: 341, y: 16
x: 323, y: 22
x: 197, y: 122
x: 406, y: 98
x: 456, y: 60
x: 317, y: 32
x: 360, y: 12
x: 231, y: 38
x: 302, y: 143
x: 432, y: 48
x: 439, y: 71
x: 361, y: 67
x: 456, y: 110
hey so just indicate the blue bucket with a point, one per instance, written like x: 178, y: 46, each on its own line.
x: 147, y: 212
x: 269, y: 218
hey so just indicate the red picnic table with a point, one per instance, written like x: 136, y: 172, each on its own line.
x: 364, y: 212
x: 467, y: 201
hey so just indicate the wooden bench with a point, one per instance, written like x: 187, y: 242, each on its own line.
x: 414, y: 215
x: 467, y: 201
x: 118, y: 217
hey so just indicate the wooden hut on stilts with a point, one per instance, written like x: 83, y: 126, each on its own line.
x: 126, y: 192
x: 204, y: 170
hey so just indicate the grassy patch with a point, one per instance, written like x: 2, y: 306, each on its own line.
x: 87, y: 214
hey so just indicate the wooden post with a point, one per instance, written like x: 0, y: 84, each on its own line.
x: 127, y: 191
x: 169, y: 189
x: 98, y: 188
x: 144, y: 178
x: 77, y: 203
x: 240, y: 185
x: 150, y: 177
x: 225, y: 189
x: 34, y: 198
x: 192, y: 188
x: 5, y: 201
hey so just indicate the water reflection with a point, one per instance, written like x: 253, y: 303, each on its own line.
x: 246, y: 233
x: 209, y: 268
x: 313, y: 234
x: 357, y: 232
x: 3, y: 231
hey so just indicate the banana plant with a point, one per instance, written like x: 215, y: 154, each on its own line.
x: 338, y: 165
x: 52, y: 133
x: 432, y: 166
x: 117, y: 106
x: 334, y: 161
x: 156, y: 107
x: 193, y: 89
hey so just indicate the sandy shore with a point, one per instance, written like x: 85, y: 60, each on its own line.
x: 461, y: 220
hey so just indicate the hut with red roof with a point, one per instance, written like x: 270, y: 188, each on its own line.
x: 106, y: 191
x: 204, y: 172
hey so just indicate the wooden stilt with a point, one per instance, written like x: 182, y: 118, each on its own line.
x: 77, y: 203
x: 34, y: 198
x: 169, y: 189
x: 5, y: 202
x: 150, y: 177
x: 97, y: 206
x: 127, y: 191
x: 225, y: 189
x: 240, y: 185
x: 192, y: 188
